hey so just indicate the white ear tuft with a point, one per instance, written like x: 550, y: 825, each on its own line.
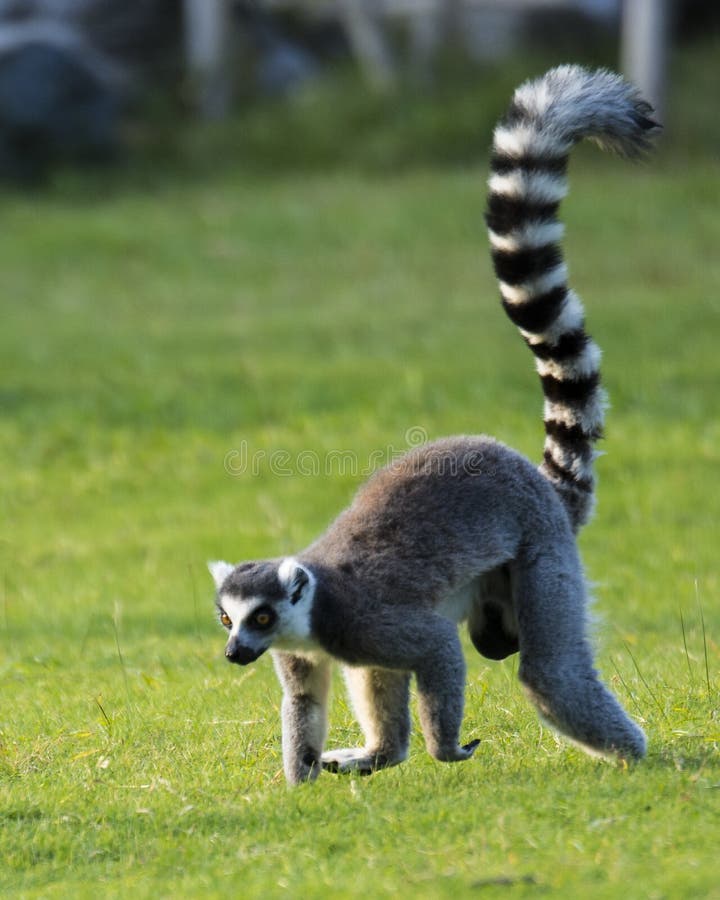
x: 294, y: 577
x: 219, y: 571
x: 286, y: 570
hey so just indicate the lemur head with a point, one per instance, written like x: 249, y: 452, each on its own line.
x: 262, y: 604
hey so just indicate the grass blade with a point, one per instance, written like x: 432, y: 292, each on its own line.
x: 687, y: 653
x: 704, y: 635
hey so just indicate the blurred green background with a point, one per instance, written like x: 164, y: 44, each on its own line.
x: 309, y: 275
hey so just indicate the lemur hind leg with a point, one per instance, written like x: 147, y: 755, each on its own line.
x: 380, y: 699
x: 492, y: 622
x: 306, y: 686
x: 556, y: 664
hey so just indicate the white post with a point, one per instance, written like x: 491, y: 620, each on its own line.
x: 207, y: 26
x: 644, y: 43
x: 367, y: 40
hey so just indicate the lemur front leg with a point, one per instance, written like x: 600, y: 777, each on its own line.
x: 441, y: 695
x: 306, y: 686
x: 426, y: 644
x: 380, y: 699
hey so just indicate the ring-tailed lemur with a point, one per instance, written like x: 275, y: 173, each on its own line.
x: 463, y: 529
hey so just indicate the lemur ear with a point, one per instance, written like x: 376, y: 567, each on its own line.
x: 219, y: 571
x: 293, y: 577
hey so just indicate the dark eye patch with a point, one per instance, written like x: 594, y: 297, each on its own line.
x: 263, y: 618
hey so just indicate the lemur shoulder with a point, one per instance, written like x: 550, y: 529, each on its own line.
x: 464, y: 529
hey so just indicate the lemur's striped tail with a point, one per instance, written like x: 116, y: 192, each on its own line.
x: 528, y: 180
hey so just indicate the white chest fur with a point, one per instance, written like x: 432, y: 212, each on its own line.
x: 456, y: 606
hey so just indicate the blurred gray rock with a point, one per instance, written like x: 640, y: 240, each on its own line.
x: 59, y: 99
x: 66, y: 69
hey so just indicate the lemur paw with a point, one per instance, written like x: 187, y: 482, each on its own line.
x: 456, y: 754
x: 302, y: 769
x: 356, y: 760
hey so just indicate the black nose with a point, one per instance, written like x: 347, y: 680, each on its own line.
x: 241, y: 655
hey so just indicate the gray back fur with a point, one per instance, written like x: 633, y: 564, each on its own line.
x: 436, y: 518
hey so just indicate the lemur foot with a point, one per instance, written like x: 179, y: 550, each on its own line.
x: 302, y: 768
x: 357, y: 760
x: 457, y: 754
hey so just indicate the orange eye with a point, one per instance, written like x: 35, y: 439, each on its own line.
x: 225, y: 620
x: 262, y: 619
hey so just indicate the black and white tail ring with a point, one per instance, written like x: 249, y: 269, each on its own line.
x: 528, y: 180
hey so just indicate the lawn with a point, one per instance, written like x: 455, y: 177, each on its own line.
x: 203, y: 361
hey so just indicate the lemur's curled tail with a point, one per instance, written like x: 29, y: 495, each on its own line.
x: 528, y: 180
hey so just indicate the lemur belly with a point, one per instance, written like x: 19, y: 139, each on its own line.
x: 457, y: 605
x: 485, y: 603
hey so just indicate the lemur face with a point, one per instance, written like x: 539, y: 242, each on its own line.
x: 263, y: 604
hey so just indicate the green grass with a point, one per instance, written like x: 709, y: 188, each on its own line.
x: 153, y: 328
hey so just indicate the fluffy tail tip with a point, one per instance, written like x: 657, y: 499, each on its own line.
x: 574, y: 103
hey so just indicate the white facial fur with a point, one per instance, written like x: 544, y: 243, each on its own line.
x: 238, y: 608
x: 295, y: 617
